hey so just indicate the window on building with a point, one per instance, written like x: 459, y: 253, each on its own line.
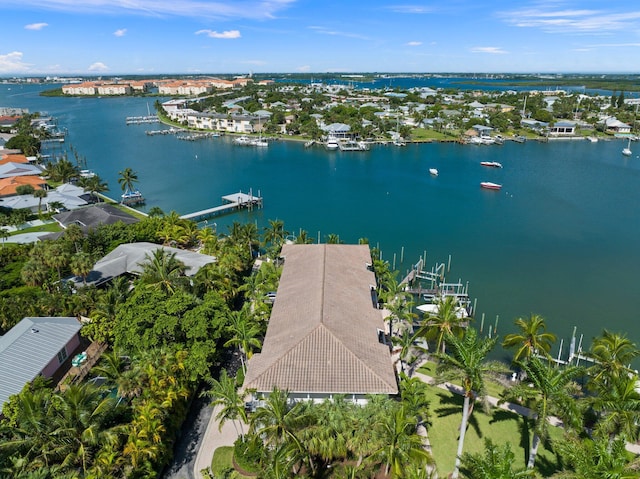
x: 62, y: 355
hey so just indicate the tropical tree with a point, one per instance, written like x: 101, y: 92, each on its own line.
x: 81, y: 265
x: 618, y: 405
x: 410, y: 353
x: 4, y: 234
x: 40, y: 194
x: 94, y: 185
x: 496, y: 462
x: 245, y: 333
x: 163, y: 271
x: 547, y: 391
x: 532, y: 338
x: 612, y: 353
x: 467, y: 363
x: 127, y: 180
x: 596, y: 458
x: 446, y: 322
x: 401, y: 445
x: 413, y: 392
x: 274, y: 235
x: 278, y: 421
x: 225, y: 395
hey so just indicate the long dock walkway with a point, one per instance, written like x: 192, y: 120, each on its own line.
x: 231, y: 202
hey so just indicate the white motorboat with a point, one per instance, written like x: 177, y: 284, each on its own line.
x: 433, y: 171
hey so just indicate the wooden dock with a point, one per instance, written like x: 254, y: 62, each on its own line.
x: 231, y: 203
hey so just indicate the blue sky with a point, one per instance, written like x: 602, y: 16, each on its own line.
x: 147, y: 37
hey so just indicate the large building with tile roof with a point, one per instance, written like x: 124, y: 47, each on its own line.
x: 324, y: 334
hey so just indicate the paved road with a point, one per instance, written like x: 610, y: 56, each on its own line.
x: 186, y: 449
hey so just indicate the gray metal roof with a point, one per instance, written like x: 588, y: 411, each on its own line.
x: 28, y: 347
x: 129, y: 258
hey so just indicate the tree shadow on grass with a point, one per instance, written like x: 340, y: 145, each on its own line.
x: 452, y: 404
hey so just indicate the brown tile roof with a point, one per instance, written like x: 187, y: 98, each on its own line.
x: 323, y: 331
x: 9, y: 185
x: 13, y: 158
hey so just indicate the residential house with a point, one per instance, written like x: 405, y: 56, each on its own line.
x: 130, y: 258
x: 563, y: 128
x: 35, y: 347
x: 325, y: 335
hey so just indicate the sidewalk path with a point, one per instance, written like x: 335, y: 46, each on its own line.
x: 213, y: 439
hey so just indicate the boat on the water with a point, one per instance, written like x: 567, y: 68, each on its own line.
x: 490, y: 186
x: 331, y: 144
x: 627, y: 151
x: 242, y: 140
x: 433, y: 171
x: 493, y: 164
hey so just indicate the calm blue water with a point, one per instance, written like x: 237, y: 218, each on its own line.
x: 560, y: 239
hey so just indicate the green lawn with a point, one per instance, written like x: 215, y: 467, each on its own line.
x: 222, y: 461
x: 49, y: 228
x: 500, y: 426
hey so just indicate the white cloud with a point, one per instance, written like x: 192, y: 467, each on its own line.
x: 226, y: 35
x: 254, y: 62
x: 252, y: 9
x: 12, y: 63
x: 615, y: 45
x: 414, y: 44
x: 120, y: 33
x: 36, y: 26
x: 326, y: 31
x: 98, y: 67
x: 304, y: 68
x: 411, y: 9
x: 563, y: 20
x: 491, y: 50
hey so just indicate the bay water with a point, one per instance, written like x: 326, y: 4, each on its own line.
x: 561, y: 239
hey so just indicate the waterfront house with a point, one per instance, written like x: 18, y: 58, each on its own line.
x: 35, y: 347
x: 325, y: 335
x: 94, y: 216
x: 563, y: 128
x: 11, y: 169
x: 114, y: 89
x: 130, y: 258
x: 613, y: 125
x: 9, y: 186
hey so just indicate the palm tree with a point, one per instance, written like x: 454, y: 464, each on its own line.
x: 401, y: 444
x: 81, y: 265
x: 56, y: 257
x: 446, y: 322
x: 94, y: 185
x: 4, y: 234
x: 41, y: 193
x: 413, y: 392
x: 618, y: 406
x: 224, y: 393
x: 127, y: 180
x: 410, y: 353
x: 547, y: 391
x: 80, y: 417
x: 612, y: 353
x: 595, y: 458
x: 274, y: 234
x: 531, y: 339
x: 162, y: 271
x: 495, y: 463
x: 467, y: 363
x: 277, y: 421
x: 245, y: 334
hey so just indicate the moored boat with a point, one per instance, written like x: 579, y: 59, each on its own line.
x: 433, y: 171
x: 490, y: 186
x: 493, y: 164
